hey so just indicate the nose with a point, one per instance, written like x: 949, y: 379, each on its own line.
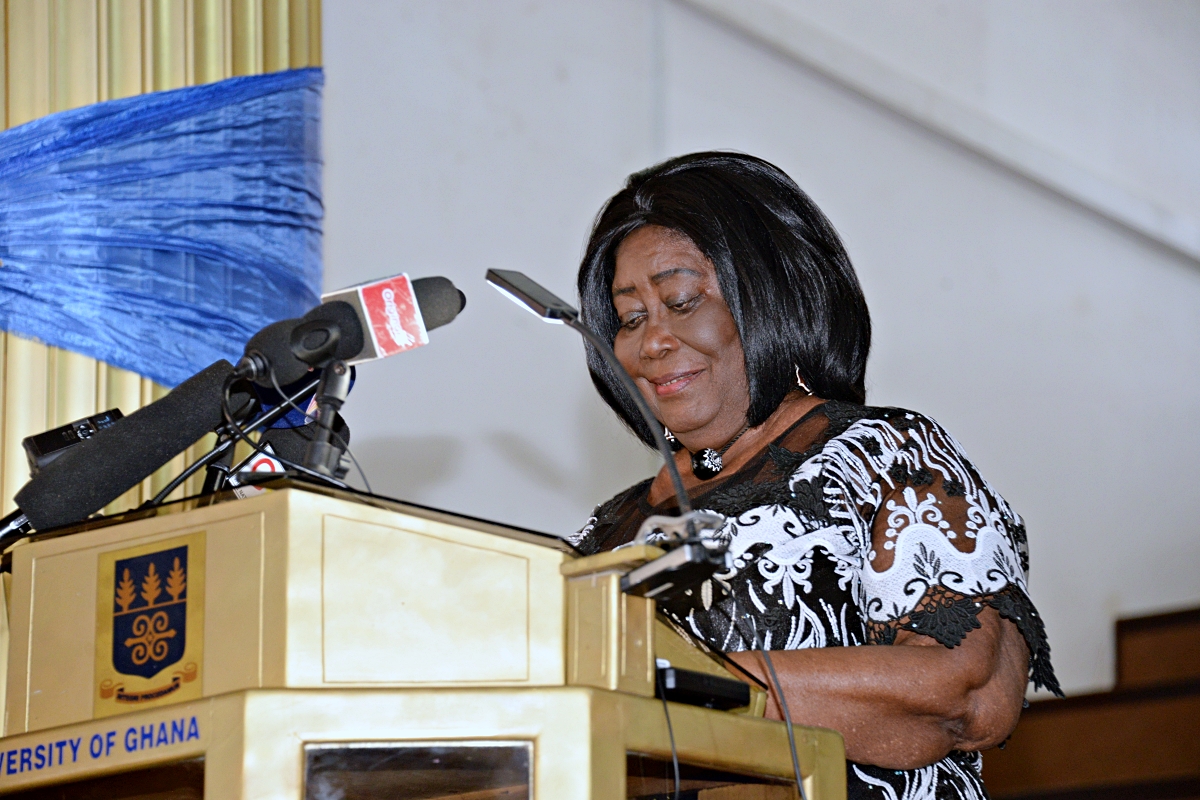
x: 658, y: 339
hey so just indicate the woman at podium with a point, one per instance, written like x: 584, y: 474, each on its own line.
x: 729, y: 298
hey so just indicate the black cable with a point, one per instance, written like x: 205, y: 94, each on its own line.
x: 662, y: 691
x: 787, y: 715
x: 787, y: 718
x: 212, y: 455
x: 202, y: 461
x: 241, y: 434
x: 344, y: 444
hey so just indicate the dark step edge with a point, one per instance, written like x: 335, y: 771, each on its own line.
x: 1188, y: 616
x: 1166, y: 691
x: 1176, y: 789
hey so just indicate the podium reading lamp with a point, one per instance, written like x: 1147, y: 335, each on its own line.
x: 693, y: 554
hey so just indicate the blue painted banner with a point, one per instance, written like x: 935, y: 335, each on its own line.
x: 157, y: 233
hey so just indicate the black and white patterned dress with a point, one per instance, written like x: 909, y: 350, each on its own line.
x: 855, y: 523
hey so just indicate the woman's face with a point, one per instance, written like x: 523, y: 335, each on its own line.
x: 677, y: 338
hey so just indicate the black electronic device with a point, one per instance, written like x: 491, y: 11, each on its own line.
x: 700, y: 689
x: 42, y: 448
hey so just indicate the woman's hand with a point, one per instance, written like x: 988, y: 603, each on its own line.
x: 907, y: 705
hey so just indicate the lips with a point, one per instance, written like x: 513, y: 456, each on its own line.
x: 674, y: 383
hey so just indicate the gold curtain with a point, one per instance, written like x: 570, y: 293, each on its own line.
x: 61, y: 54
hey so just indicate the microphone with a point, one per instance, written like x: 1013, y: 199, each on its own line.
x: 357, y: 324
x: 381, y: 318
x: 271, y: 348
x: 98, y: 470
x: 365, y: 322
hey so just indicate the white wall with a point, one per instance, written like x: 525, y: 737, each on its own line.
x: 1060, y: 349
x: 1110, y: 84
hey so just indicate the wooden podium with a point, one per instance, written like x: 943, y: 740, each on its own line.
x: 308, y: 643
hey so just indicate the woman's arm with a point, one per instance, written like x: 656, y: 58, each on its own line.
x: 909, y: 704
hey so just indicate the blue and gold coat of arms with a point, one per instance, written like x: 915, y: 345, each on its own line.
x: 150, y: 625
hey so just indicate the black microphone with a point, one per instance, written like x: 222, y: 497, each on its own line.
x: 97, y: 471
x: 292, y: 443
x: 363, y: 323
x: 341, y: 328
x: 271, y: 348
x: 376, y: 319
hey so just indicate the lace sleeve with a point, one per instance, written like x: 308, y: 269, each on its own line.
x: 943, y: 545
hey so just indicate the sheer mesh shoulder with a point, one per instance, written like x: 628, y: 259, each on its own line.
x: 939, y: 542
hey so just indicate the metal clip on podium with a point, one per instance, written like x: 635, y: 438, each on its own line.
x: 310, y: 643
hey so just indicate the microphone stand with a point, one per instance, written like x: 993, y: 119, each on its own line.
x: 321, y: 454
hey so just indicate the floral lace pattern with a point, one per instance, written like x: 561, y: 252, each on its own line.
x: 854, y: 524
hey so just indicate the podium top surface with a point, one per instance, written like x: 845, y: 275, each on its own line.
x: 363, y: 498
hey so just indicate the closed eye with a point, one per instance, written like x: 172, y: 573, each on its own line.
x: 632, y: 320
x: 686, y: 304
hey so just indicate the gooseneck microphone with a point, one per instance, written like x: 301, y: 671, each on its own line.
x: 693, y: 553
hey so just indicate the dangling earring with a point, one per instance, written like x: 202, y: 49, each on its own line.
x: 676, y: 445
x: 800, y: 383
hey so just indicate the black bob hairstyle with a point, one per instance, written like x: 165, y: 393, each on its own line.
x: 781, y: 267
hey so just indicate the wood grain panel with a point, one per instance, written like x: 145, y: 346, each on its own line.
x: 1108, y: 739
x: 1159, y: 649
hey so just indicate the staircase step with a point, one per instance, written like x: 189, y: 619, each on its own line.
x: 1164, y: 648
x: 1143, y: 737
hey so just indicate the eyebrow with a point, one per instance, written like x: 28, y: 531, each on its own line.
x: 657, y: 279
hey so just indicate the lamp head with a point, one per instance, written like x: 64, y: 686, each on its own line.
x: 532, y: 296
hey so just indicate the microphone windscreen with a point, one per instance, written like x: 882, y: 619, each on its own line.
x: 98, y: 470
x: 350, y: 343
x: 439, y: 300
x: 274, y: 344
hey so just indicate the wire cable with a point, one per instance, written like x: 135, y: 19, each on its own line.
x: 202, y: 461
x: 787, y: 720
x: 345, y: 445
x: 212, y: 455
x: 241, y: 434
x: 662, y: 691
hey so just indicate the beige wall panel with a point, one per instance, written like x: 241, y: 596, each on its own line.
x: 247, y: 37
x: 371, y: 634
x: 124, y: 48
x: 61, y: 656
x: 28, y: 57
x: 211, y: 46
x: 3, y: 64
x: 276, y: 23
x: 73, y: 391
x: 74, y: 31
x: 233, y: 653
x: 25, y: 404
x: 171, y: 48
x: 298, y: 33
x: 314, y: 33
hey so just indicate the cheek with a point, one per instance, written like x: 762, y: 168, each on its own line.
x: 711, y: 331
x: 626, y: 349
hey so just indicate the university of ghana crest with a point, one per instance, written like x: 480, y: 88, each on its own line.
x: 150, y: 625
